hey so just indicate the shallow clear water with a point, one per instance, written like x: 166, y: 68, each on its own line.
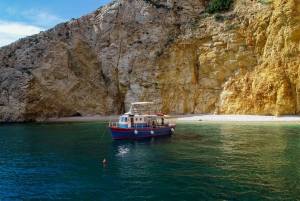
x: 202, y: 161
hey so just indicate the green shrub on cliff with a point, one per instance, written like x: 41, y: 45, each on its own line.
x: 219, y: 5
x: 218, y: 17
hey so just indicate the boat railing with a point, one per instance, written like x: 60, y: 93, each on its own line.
x: 142, y: 126
x: 169, y: 123
x: 113, y: 124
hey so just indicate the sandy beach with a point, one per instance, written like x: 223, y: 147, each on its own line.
x: 197, y: 117
x: 239, y: 118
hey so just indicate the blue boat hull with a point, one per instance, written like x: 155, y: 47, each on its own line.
x: 132, y: 133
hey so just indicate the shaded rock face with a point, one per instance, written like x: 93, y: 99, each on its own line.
x: 167, y: 51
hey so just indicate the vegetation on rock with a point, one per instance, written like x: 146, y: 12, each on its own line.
x: 218, y: 17
x: 219, y: 5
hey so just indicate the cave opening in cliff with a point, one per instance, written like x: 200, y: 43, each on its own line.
x: 77, y: 115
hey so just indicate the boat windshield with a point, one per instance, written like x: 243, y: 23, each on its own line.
x: 123, y: 119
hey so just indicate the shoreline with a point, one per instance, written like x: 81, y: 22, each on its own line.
x: 191, y: 118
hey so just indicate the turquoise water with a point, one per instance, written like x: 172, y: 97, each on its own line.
x: 202, y: 161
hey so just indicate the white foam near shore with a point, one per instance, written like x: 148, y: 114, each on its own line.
x: 196, y: 117
x: 243, y: 118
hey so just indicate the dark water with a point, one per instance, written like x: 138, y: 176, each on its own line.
x: 202, y: 161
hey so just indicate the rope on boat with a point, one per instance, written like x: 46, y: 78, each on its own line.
x: 104, y: 132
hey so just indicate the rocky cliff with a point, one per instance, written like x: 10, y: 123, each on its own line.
x: 244, y: 61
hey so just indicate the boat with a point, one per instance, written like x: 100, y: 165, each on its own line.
x: 141, y: 122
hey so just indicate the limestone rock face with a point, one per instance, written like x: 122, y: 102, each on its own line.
x: 166, y: 51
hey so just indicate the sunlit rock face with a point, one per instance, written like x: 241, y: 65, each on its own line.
x: 169, y: 52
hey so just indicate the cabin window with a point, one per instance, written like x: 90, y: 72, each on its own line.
x: 123, y: 119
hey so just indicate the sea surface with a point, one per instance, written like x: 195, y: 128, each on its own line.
x: 201, y: 161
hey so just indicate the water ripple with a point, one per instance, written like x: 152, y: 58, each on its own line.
x: 201, y: 161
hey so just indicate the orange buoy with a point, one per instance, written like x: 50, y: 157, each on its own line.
x: 104, y: 161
